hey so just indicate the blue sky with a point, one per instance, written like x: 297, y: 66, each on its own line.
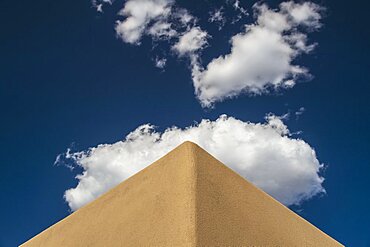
x: 68, y: 81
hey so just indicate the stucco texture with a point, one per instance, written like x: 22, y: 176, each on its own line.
x: 186, y: 198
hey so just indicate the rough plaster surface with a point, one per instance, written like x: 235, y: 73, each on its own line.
x: 186, y: 198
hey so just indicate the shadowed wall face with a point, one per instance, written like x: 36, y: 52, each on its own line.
x: 187, y: 198
x: 233, y: 212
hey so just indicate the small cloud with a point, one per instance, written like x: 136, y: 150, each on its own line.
x: 98, y: 4
x: 217, y: 16
x: 191, y: 41
x: 299, y: 112
x: 138, y: 15
x: 241, y: 12
x: 160, y: 62
x: 239, y: 8
x: 160, y: 19
x: 162, y: 30
x: 99, y: 8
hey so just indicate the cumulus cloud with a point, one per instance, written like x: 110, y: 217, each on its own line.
x: 264, y: 153
x: 138, y: 15
x: 162, y: 20
x: 262, y: 56
x: 159, y: 19
x: 191, y: 41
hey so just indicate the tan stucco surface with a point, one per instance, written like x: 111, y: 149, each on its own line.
x: 186, y: 198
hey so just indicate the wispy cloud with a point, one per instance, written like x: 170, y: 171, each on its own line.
x: 217, y: 16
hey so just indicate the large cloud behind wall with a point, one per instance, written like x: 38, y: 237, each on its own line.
x: 264, y: 153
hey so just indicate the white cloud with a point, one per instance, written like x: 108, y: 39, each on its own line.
x: 241, y: 12
x: 262, y: 56
x: 162, y: 30
x: 264, y: 153
x: 306, y: 13
x: 191, y: 41
x: 160, y: 62
x: 183, y: 16
x: 138, y: 15
x: 98, y: 4
x: 238, y: 7
x: 160, y: 19
x: 217, y: 16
